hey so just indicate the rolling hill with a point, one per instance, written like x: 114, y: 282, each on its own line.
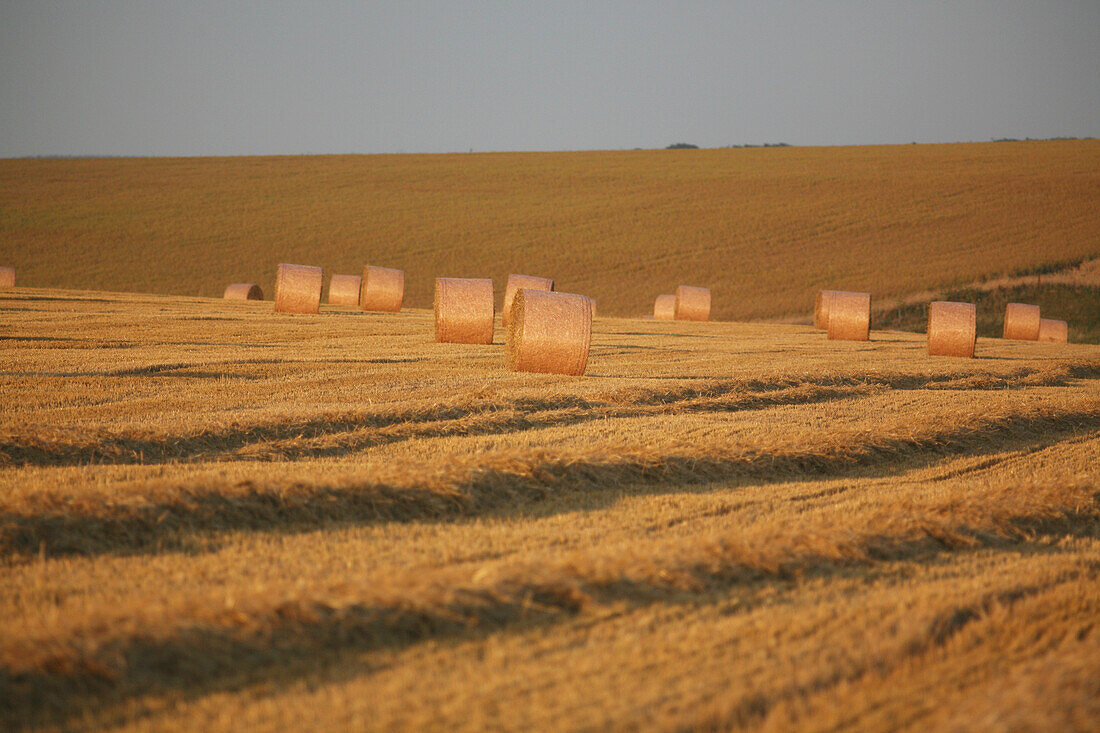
x: 764, y: 228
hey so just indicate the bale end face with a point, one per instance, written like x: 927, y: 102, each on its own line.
x: 549, y: 333
x: 520, y: 282
x: 382, y: 289
x: 692, y: 304
x: 849, y: 316
x: 1053, y: 331
x: 821, y: 309
x: 298, y: 289
x: 463, y: 310
x: 243, y: 291
x: 952, y: 329
x: 7, y: 277
x: 664, y: 307
x: 343, y: 290
x: 1022, y: 322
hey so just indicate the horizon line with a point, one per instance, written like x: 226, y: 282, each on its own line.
x: 741, y: 146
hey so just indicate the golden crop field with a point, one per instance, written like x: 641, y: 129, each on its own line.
x: 764, y: 228
x: 217, y: 517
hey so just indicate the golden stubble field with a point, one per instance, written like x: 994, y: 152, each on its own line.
x: 763, y: 228
x: 216, y: 517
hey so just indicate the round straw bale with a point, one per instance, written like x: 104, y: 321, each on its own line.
x: 7, y: 277
x: 243, y: 291
x: 298, y: 289
x: 1022, y: 322
x: 343, y: 290
x: 516, y: 282
x: 549, y: 332
x: 664, y: 308
x: 1052, y: 330
x: 849, y: 316
x: 383, y: 289
x: 821, y: 309
x: 463, y: 310
x: 952, y: 329
x: 692, y: 304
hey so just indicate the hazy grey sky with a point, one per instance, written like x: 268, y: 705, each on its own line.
x: 225, y: 78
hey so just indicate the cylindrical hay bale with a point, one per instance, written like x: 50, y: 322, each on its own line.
x: 821, y: 309
x: 1052, y: 330
x: 463, y: 310
x: 849, y: 316
x: 1022, y: 322
x: 549, y: 332
x: 243, y: 291
x: 383, y: 289
x: 517, y: 282
x: 298, y: 289
x: 692, y: 304
x: 7, y: 277
x: 664, y: 308
x: 952, y: 329
x: 343, y: 290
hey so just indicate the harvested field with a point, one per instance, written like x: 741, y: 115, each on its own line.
x: 215, y: 516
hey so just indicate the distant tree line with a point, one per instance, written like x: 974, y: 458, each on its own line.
x: 689, y: 146
x: 1036, y: 139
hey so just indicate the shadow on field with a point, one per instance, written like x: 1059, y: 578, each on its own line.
x: 194, y: 371
x: 234, y: 344
x: 278, y: 646
x: 178, y: 374
x: 670, y: 334
x: 605, y: 349
x: 39, y: 338
x: 74, y: 299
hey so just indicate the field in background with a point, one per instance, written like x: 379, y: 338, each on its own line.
x: 215, y: 517
x: 764, y: 228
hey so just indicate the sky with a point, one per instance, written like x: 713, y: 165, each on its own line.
x: 119, y: 77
